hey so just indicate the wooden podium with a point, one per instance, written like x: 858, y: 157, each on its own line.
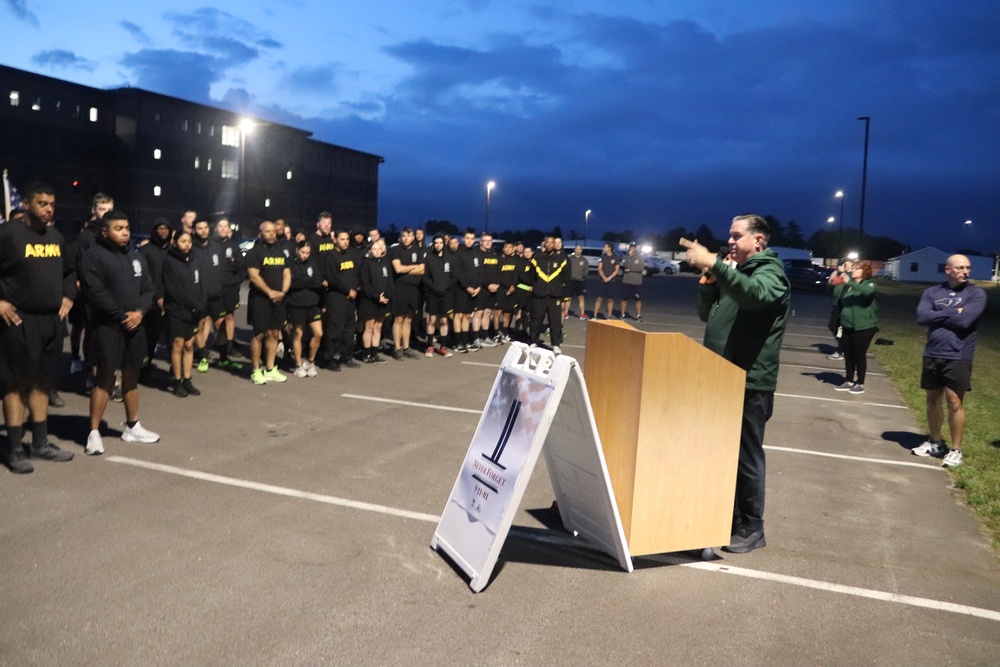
x: 668, y: 412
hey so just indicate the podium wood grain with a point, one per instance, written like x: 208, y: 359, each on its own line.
x: 668, y: 411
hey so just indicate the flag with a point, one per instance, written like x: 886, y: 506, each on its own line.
x: 12, y: 199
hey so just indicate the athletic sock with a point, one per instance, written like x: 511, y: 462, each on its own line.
x: 15, y: 434
x: 39, y: 433
x: 131, y: 424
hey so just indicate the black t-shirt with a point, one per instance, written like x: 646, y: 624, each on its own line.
x: 34, y: 272
x: 270, y: 261
x: 407, y: 256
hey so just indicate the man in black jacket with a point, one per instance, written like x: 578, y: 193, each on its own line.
x: 233, y: 273
x: 155, y: 252
x: 340, y: 272
x: 119, y: 294
x: 37, y: 287
x: 548, y: 269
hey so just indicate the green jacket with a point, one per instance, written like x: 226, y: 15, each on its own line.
x: 745, y: 313
x: 857, y: 305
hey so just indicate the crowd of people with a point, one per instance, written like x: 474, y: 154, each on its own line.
x: 327, y: 298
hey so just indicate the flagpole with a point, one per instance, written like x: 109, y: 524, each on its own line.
x: 6, y: 196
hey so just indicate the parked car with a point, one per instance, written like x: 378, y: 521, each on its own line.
x: 684, y: 267
x: 807, y: 278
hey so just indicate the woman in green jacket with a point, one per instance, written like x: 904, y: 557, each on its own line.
x: 860, y: 322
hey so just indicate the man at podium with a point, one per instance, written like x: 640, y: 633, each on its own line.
x: 745, y: 309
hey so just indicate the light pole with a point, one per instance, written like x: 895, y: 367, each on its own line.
x: 840, y: 234
x: 246, y: 125
x: 489, y: 188
x: 864, y: 178
x: 586, y: 219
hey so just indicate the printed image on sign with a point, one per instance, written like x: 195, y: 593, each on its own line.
x: 500, y: 449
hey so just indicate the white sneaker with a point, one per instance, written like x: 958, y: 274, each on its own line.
x: 930, y: 448
x: 75, y: 367
x: 555, y: 348
x: 952, y: 459
x: 835, y: 356
x: 310, y: 368
x: 95, y: 445
x: 301, y: 371
x: 139, y: 434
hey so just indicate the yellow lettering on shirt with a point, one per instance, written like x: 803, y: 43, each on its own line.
x: 42, y: 250
x: 490, y: 260
x: 346, y: 265
x: 325, y: 247
x: 274, y: 261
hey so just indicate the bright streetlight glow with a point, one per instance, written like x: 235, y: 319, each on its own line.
x: 968, y: 222
x: 852, y: 255
x: 831, y: 219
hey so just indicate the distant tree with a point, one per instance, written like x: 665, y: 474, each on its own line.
x: 671, y: 240
x: 707, y: 238
x: 433, y: 227
x: 557, y: 232
x: 624, y: 236
x: 778, y: 236
x: 793, y: 236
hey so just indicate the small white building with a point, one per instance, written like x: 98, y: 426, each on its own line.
x: 927, y: 266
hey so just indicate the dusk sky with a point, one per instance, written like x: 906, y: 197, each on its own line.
x: 653, y: 114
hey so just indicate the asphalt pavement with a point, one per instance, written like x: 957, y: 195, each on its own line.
x: 290, y: 525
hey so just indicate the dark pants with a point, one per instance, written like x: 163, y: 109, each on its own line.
x: 748, y: 510
x: 540, y: 307
x: 856, y: 345
x: 152, y: 324
x: 338, y: 329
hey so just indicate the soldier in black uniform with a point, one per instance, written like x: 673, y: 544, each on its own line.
x: 37, y: 287
x: 374, y: 300
x: 119, y: 294
x: 408, y: 269
x: 155, y: 252
x: 340, y: 272
x: 438, y: 265
x: 507, y: 294
x: 547, y: 276
x: 234, y: 272
x: 207, y: 255
x: 304, y: 299
x: 270, y: 279
x: 184, y: 305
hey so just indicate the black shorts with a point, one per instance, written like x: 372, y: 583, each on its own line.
x: 405, y: 300
x: 230, y: 298
x: 116, y: 348
x: 30, y: 351
x: 955, y: 374
x: 300, y: 316
x: 264, y: 315
x: 577, y: 288
x: 78, y: 313
x: 607, y: 290
x: 483, y: 301
x: 216, y: 308
x: 372, y: 310
x: 461, y: 303
x: 507, y: 302
x: 180, y: 326
x: 438, y: 305
x: 631, y: 292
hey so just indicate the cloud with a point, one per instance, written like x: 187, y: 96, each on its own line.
x: 183, y: 74
x: 64, y: 59
x: 137, y: 33
x: 20, y: 9
x: 319, y: 80
x: 213, y: 23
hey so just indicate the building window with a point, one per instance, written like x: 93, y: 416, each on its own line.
x: 208, y: 165
x: 230, y: 135
x: 76, y: 111
x: 288, y: 176
x: 156, y: 116
x: 184, y: 125
x: 37, y: 104
x: 157, y: 154
x: 15, y: 98
x: 267, y: 202
x: 93, y: 114
x: 914, y: 267
x: 211, y: 130
x: 230, y: 169
x: 197, y: 127
x: 156, y: 191
x: 57, y: 103
x: 197, y: 162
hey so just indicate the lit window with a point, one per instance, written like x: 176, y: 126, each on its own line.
x: 184, y: 125
x: 197, y: 127
x: 157, y: 154
x: 156, y: 190
x: 197, y: 162
x: 211, y: 130
x: 230, y: 169
x: 93, y: 114
x: 37, y: 104
x: 230, y: 135
x: 288, y: 176
x: 15, y: 98
x: 208, y: 165
x: 267, y: 202
x: 57, y: 103
x: 157, y: 116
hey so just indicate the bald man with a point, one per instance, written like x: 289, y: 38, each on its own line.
x: 270, y: 279
x: 950, y: 312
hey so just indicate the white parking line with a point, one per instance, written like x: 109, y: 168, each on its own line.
x: 855, y: 458
x: 839, y: 400
x: 814, y: 584
x: 479, y: 363
x: 411, y: 404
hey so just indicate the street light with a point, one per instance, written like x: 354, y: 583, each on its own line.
x: 246, y: 126
x: 840, y: 234
x: 489, y: 188
x: 586, y: 219
x: 864, y: 179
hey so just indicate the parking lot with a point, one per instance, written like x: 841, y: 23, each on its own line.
x: 290, y: 525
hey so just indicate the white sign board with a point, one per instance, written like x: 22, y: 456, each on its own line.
x: 525, y: 400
